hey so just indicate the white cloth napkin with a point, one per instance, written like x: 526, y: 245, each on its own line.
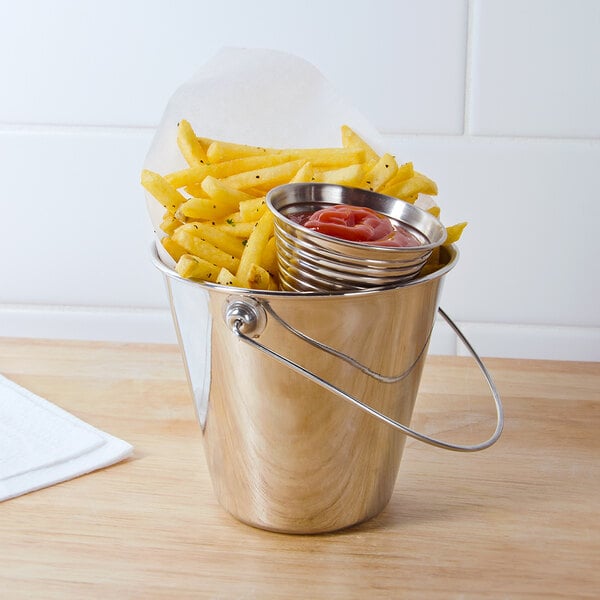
x: 42, y: 444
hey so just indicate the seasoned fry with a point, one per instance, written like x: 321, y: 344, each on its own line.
x: 350, y: 139
x: 188, y: 177
x: 252, y: 210
x: 254, y: 247
x: 219, y: 151
x: 350, y: 175
x: 435, y: 211
x: 267, y: 176
x: 417, y: 184
x: 248, y: 163
x: 403, y: 173
x: 193, y: 267
x: 169, y: 223
x: 173, y: 248
x: 189, y: 145
x: 454, y: 232
x: 205, y: 208
x: 162, y: 190
x: 223, y: 193
x: 226, y: 277
x: 237, y: 229
x: 306, y: 174
x: 381, y: 173
x: 258, y: 278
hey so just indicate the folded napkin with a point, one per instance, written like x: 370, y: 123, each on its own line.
x: 41, y: 444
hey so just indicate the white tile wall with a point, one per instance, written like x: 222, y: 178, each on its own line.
x: 115, y: 62
x: 535, y: 68
x: 498, y: 100
x: 78, y: 231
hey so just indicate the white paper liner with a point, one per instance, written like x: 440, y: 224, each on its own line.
x: 258, y: 97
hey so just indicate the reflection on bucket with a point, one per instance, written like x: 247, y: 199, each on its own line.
x: 305, y: 400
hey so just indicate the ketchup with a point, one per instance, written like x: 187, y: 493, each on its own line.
x: 357, y: 224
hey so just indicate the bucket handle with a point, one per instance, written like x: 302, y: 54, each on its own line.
x: 247, y: 319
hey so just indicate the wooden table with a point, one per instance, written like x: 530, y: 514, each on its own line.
x: 519, y: 520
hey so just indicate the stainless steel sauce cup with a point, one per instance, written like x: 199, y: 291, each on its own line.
x: 310, y: 261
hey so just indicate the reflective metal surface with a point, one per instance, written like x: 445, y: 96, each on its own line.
x: 311, y: 261
x: 284, y: 453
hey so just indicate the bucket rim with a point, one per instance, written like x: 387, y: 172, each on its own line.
x: 451, y: 249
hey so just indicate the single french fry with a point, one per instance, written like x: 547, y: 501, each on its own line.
x: 254, y: 247
x: 258, y: 278
x: 428, y: 186
x: 252, y: 210
x: 351, y: 175
x: 189, y: 145
x: 226, y: 277
x: 381, y: 173
x: 369, y: 164
x: 222, y: 193
x: 435, y: 211
x: 193, y: 267
x: 162, y: 190
x: 330, y: 158
x: 174, y: 250
x: 351, y: 139
x: 205, y: 250
x: 235, y: 217
x: 195, y: 190
x: 267, y: 176
x: 219, y: 151
x: 188, y: 177
x: 237, y: 229
x: 454, y: 232
x: 169, y: 223
x: 258, y: 192
x: 204, y: 208
x: 236, y: 166
x: 268, y: 259
x: 418, y: 184
x: 404, y: 172
x: 217, y: 237
x: 305, y: 174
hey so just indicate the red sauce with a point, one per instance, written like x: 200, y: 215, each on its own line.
x: 357, y: 224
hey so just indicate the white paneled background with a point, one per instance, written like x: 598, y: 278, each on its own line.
x: 497, y: 100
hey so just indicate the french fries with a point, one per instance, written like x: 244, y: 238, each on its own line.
x: 190, y: 146
x: 217, y: 225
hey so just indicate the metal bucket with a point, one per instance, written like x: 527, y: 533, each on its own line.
x: 305, y: 400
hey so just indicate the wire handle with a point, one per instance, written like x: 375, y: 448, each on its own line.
x: 246, y: 317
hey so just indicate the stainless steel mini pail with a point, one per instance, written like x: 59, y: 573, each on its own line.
x: 305, y: 400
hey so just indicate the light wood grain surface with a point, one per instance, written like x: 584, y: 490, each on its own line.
x: 519, y: 520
